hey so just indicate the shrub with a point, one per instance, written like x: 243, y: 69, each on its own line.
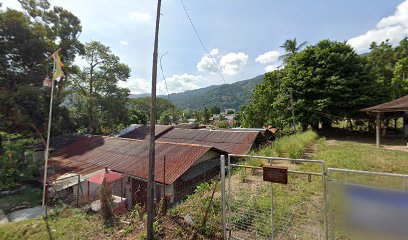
x: 106, y: 203
x: 292, y: 146
x: 16, y: 164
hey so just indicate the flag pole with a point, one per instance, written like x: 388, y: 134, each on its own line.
x: 47, y: 147
x: 152, y: 153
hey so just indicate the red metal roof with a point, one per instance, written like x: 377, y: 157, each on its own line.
x: 128, y: 156
x: 397, y: 105
x: 142, y: 132
x: 109, y: 176
x: 236, y: 142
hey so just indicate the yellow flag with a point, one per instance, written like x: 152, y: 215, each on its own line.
x: 58, y: 64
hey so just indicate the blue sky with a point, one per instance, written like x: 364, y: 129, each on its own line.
x: 242, y: 36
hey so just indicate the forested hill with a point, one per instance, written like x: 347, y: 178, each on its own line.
x: 232, y: 95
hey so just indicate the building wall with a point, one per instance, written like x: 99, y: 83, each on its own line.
x: 199, y: 173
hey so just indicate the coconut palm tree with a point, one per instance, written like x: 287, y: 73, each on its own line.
x: 291, y: 47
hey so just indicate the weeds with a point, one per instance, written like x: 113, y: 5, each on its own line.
x: 292, y: 146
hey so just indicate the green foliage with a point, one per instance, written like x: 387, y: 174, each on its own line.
x: 70, y: 224
x: 292, y: 146
x: 26, y: 39
x: 157, y: 231
x: 215, y: 110
x: 291, y: 48
x: 326, y: 79
x: 167, y: 113
x: 95, y: 93
x: 16, y: 166
x: 260, y: 111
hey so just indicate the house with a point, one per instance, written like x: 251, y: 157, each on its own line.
x: 235, y: 142
x: 180, y: 167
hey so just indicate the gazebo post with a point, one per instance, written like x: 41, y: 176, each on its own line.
x: 378, y: 130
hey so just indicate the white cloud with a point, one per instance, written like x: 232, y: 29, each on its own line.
x: 232, y: 63
x: 140, y: 16
x: 271, y: 68
x: 394, y: 28
x: 206, y: 64
x: 123, y: 42
x: 214, y: 52
x: 268, y: 57
x: 136, y: 86
x: 180, y: 83
x: 175, y: 84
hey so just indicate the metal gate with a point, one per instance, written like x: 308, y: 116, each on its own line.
x: 273, y: 199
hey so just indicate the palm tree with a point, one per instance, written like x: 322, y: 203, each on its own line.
x: 291, y: 48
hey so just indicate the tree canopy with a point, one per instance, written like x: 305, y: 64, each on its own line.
x: 328, y: 80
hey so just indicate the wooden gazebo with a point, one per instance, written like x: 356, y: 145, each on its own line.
x: 395, y: 108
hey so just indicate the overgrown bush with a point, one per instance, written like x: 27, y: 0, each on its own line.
x: 16, y: 162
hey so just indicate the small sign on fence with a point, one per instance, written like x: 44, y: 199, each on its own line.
x: 275, y: 174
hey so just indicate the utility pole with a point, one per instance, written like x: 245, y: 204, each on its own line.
x: 293, y: 111
x: 152, y: 152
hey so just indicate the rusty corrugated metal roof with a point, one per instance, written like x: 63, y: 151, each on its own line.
x: 236, y: 142
x: 128, y: 156
x: 397, y: 105
x: 142, y: 132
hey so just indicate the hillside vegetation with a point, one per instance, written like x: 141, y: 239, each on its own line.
x: 232, y: 95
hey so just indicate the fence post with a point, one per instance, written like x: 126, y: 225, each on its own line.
x: 229, y: 196
x: 326, y: 227
x: 272, y: 209
x: 77, y: 195
x: 331, y: 204
x: 224, y: 229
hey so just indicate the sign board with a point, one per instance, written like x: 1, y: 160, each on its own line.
x: 275, y: 174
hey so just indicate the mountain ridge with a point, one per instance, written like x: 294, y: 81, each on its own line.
x: 232, y: 95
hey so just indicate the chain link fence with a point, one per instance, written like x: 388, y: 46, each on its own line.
x: 259, y: 209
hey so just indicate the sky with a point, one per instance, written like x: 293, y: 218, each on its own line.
x: 242, y: 37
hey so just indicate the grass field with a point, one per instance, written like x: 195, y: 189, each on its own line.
x: 71, y: 224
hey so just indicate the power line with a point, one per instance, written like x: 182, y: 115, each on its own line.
x: 164, y: 78
x: 201, y: 42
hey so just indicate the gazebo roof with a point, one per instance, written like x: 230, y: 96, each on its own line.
x: 397, y: 105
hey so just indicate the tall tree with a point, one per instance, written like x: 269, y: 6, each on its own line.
x: 381, y: 61
x: 98, y: 100
x: 327, y: 79
x: 261, y: 111
x: 400, y: 73
x: 291, y: 47
x: 26, y: 40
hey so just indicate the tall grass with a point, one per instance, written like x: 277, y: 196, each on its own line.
x: 292, y: 146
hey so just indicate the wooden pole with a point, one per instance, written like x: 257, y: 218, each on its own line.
x: 152, y: 153
x: 378, y: 130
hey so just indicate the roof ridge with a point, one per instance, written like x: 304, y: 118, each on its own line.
x: 160, y: 142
